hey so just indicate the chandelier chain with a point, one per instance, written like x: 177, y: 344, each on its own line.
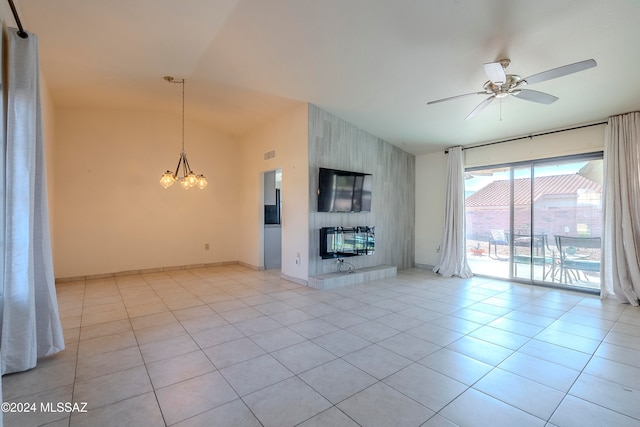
x: 183, y: 115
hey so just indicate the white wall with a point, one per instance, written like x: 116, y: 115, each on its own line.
x: 431, y: 168
x: 585, y: 140
x: 288, y: 136
x: 430, y: 195
x: 112, y: 215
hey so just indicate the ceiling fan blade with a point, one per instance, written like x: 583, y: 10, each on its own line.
x: 535, y: 96
x: 495, y: 72
x: 561, y: 71
x: 454, y: 97
x: 480, y: 107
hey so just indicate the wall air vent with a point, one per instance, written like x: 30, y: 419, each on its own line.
x: 269, y: 154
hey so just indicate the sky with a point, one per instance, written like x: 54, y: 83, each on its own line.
x: 477, y: 182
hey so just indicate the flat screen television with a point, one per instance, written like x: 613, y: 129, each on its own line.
x: 344, y: 191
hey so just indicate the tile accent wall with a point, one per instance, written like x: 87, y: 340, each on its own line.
x: 336, y: 144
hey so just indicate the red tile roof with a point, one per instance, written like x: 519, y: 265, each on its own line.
x: 497, y: 192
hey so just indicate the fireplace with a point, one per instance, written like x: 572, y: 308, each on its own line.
x: 340, y: 242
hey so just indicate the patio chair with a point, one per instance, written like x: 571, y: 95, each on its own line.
x: 497, y: 237
x: 539, y: 253
x: 574, y: 258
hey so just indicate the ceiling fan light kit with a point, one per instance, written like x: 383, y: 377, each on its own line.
x: 501, y: 84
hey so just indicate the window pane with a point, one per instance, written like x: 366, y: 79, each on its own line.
x: 524, y: 246
x: 488, y: 214
x: 568, y: 202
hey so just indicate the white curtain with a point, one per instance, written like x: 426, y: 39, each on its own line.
x: 621, y: 242
x: 453, y: 254
x: 28, y: 305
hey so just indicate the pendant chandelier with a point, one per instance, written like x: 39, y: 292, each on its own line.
x: 184, y: 175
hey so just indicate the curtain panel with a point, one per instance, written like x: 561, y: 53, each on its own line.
x: 453, y: 254
x: 621, y: 242
x: 30, y: 323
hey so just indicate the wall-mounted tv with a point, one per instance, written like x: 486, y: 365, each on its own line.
x: 344, y: 191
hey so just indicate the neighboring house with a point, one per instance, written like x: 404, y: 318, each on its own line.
x: 562, y: 204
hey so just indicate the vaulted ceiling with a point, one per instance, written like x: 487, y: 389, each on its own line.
x: 374, y: 63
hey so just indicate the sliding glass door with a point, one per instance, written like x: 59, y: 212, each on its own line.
x: 537, y: 221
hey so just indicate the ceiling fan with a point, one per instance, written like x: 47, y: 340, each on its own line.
x: 501, y: 84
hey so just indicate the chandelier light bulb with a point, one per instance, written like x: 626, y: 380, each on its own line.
x: 167, y: 179
x: 202, y: 181
x: 192, y: 179
x: 184, y: 182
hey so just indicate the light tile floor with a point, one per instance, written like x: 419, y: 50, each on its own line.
x: 229, y: 346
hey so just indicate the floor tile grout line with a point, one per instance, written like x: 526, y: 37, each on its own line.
x: 155, y: 390
x: 494, y: 367
x: 75, y: 372
x: 155, y: 395
x: 576, y: 305
x: 78, y: 358
x: 567, y: 393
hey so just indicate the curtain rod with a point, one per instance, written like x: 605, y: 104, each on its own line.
x: 530, y: 136
x: 21, y: 32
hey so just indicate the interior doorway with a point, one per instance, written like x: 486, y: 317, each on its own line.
x: 273, y: 219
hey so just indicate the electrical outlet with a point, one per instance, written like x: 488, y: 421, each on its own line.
x: 206, y: 246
